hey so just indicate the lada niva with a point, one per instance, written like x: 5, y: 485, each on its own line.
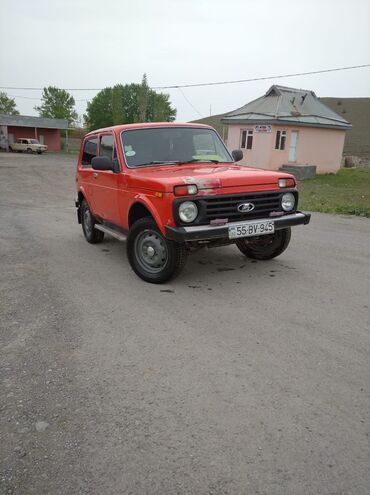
x: 167, y: 189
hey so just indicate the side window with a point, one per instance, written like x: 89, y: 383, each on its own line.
x: 246, y: 139
x: 89, y: 151
x: 107, y: 147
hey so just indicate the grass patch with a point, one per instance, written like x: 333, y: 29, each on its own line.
x: 347, y: 192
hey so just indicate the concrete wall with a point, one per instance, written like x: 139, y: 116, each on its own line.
x: 316, y: 146
x: 74, y: 144
x: 51, y: 136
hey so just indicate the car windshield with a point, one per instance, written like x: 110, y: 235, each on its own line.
x: 34, y: 141
x: 172, y: 145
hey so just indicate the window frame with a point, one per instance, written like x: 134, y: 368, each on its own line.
x: 114, y: 144
x: 248, y: 134
x: 281, y: 137
x: 89, y: 138
x: 115, y: 158
x: 121, y: 134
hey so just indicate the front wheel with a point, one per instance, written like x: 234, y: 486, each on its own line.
x: 92, y: 235
x: 265, y: 247
x: 152, y: 257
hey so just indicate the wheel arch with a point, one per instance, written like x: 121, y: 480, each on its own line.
x: 81, y: 196
x: 138, y: 210
x: 141, y: 208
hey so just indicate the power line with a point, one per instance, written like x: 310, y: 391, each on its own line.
x: 214, y: 83
x: 192, y: 106
x: 219, y: 83
x: 34, y: 98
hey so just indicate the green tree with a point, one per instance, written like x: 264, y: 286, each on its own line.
x: 57, y: 104
x: 7, y: 105
x: 127, y: 104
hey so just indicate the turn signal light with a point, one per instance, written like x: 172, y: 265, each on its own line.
x: 286, y: 182
x: 189, y: 190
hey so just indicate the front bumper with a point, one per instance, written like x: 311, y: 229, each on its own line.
x: 209, y: 232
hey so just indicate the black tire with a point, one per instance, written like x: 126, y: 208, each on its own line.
x: 152, y: 257
x: 92, y: 235
x: 29, y: 150
x: 39, y: 152
x: 265, y: 247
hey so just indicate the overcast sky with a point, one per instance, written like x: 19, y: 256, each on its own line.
x: 94, y: 44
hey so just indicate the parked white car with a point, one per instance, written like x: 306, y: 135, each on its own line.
x: 28, y: 145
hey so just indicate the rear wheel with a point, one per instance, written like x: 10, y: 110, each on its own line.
x: 152, y: 257
x: 92, y: 235
x: 265, y: 247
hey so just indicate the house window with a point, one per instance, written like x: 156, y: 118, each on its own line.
x: 246, y: 140
x: 280, y: 140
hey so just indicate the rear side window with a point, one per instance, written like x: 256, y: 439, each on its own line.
x: 107, y: 147
x: 89, y: 151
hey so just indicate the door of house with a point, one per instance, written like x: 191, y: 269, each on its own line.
x: 41, y: 139
x: 293, y: 146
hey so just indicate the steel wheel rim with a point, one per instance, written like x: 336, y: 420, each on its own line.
x: 87, y: 221
x: 151, y: 251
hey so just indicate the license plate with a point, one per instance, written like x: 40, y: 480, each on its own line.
x: 251, y: 229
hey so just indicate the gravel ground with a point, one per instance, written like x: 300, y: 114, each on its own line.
x: 236, y: 378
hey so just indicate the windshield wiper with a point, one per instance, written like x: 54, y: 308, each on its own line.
x: 159, y: 162
x: 203, y: 160
x: 176, y: 162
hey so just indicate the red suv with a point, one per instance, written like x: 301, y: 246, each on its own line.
x: 169, y: 188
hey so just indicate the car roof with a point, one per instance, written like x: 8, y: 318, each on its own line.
x: 146, y: 125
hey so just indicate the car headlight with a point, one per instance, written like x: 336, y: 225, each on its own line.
x: 288, y: 201
x: 188, y: 211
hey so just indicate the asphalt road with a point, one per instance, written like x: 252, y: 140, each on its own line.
x: 236, y: 378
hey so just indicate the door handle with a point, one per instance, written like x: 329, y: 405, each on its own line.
x: 95, y: 175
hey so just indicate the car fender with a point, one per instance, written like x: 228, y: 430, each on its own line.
x: 151, y: 207
x: 82, y: 190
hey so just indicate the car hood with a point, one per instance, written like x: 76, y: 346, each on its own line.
x: 206, y: 176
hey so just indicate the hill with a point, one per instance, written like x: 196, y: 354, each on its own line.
x: 357, y: 112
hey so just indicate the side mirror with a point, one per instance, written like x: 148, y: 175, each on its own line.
x: 237, y: 155
x: 102, y: 163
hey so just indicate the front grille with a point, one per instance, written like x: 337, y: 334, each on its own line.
x: 227, y: 206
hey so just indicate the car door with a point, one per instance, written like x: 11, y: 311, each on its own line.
x: 105, y: 183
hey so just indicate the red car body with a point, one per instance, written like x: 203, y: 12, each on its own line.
x: 117, y: 199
